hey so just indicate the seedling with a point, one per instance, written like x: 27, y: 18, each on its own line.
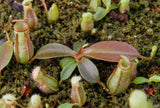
x: 123, y: 6
x: 87, y: 22
x: 105, y: 50
x: 102, y: 12
x: 53, y: 12
x: 141, y: 80
x: 29, y: 14
x: 23, y: 46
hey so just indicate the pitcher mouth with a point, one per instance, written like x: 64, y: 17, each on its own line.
x: 21, y: 25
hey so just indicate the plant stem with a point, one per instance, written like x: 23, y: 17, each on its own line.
x: 32, y: 59
x: 104, y: 86
x: 7, y: 36
x: 19, y: 105
x: 60, y: 82
x: 44, y: 4
x: 79, y: 55
x: 146, y: 58
x: 20, y: 20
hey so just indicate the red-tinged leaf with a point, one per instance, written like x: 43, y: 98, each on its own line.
x: 111, y: 51
x: 6, y: 52
x: 54, y: 50
x: 88, y: 70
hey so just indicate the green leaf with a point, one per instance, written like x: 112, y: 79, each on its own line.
x: 107, y: 2
x: 100, y: 14
x: 88, y: 70
x: 78, y: 45
x: 54, y: 50
x: 114, y: 6
x: 6, y: 52
x: 154, y: 78
x: 66, y: 105
x: 65, y: 61
x: 111, y: 51
x: 139, y: 80
x: 68, y: 70
x: 108, y: 5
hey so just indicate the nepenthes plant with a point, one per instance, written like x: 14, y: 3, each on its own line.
x: 110, y: 51
x: 21, y: 45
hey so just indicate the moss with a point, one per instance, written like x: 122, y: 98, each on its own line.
x: 141, y: 30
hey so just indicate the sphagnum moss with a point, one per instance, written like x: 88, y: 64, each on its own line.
x: 66, y: 31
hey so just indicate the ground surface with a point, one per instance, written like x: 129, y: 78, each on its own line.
x: 142, y: 30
